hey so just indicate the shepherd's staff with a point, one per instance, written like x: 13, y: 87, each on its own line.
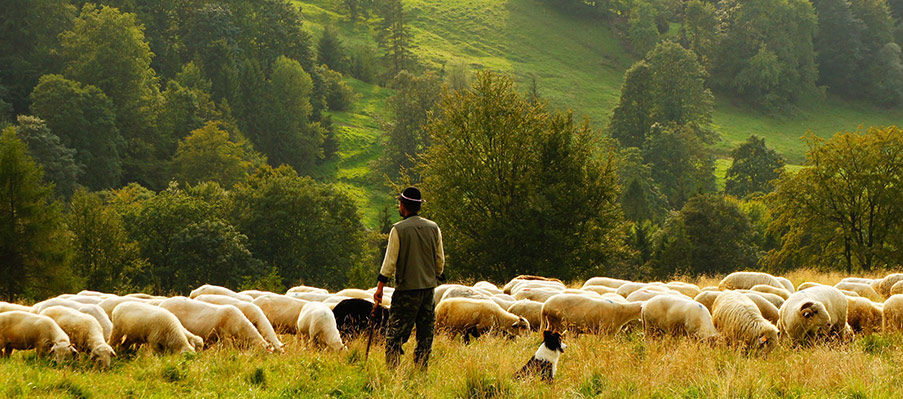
x: 371, y: 325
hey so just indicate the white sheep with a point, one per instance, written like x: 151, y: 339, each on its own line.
x: 503, y: 300
x: 807, y: 285
x: 257, y: 294
x: 254, y: 314
x: 864, y: 316
x: 747, y: 280
x: 136, y: 323
x: 24, y: 330
x: 788, y: 285
x: 537, y: 285
x: 110, y: 304
x: 303, y: 288
x: 775, y: 300
x: 208, y: 321
x: 690, y: 290
x: 646, y: 294
x: 473, y: 317
x: 535, y: 294
x: 628, y: 288
x: 884, y: 285
x: 88, y: 300
x: 599, y: 289
x: 529, y: 310
x: 858, y: 280
x: 282, y: 311
x: 677, y: 314
x: 318, y: 324
x: 893, y: 313
x: 208, y: 289
x: 768, y: 310
x: 84, y: 333
x: 485, y: 285
x: 308, y: 296
x: 94, y: 311
x: 739, y: 321
x: 897, y: 288
x: 585, y: 313
x: 607, y: 282
x: 536, y: 280
x: 460, y: 291
x: 770, y: 289
x: 707, y: 299
x: 820, y: 310
x: 861, y: 289
x: 11, y: 307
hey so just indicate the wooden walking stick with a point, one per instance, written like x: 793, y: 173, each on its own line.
x: 371, y: 325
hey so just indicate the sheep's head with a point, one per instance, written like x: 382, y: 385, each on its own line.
x: 520, y: 325
x: 814, y: 314
x: 62, y: 351
x: 767, y: 340
x: 102, y: 354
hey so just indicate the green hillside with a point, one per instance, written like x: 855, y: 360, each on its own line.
x: 578, y: 62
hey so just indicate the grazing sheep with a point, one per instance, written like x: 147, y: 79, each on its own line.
x: 318, y: 324
x: 707, y: 299
x: 473, y: 317
x: 208, y: 321
x: 788, y: 285
x: 84, y: 333
x: 253, y: 313
x: 93, y: 293
x: 461, y: 291
x: 584, y: 313
x: 599, y: 289
x: 677, y: 314
x: 303, y: 288
x: 645, y: 294
x: 257, y: 294
x: 40, y: 306
x: 863, y: 290
x: 136, y: 323
x: 807, y: 285
x: 88, y: 300
x: 615, y: 297
x: 710, y: 288
x: 537, y: 285
x: 95, y: 311
x: 690, y: 290
x: 607, y: 282
x: 281, y: 311
x: 141, y: 295
x: 24, y: 330
x: 439, y: 291
x: 309, y: 296
x: 628, y: 288
x: 530, y: 279
x: 487, y: 286
x: 864, y: 316
x: 770, y: 289
x: 529, y: 310
x: 893, y: 313
x: 503, y: 301
x: 884, y: 285
x: 535, y: 294
x: 110, y: 304
x: 361, y: 294
x: 739, y: 321
x: 897, y: 288
x: 866, y: 281
x: 352, y: 316
x: 747, y: 280
x: 208, y: 289
x: 11, y: 307
x: 766, y: 308
x: 775, y: 300
x: 820, y: 310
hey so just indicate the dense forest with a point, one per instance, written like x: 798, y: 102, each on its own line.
x: 159, y: 145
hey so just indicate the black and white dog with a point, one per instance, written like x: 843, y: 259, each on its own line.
x: 545, y: 360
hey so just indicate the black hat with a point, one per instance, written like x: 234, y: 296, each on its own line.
x: 411, y: 194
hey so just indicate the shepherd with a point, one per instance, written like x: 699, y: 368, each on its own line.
x: 416, y: 259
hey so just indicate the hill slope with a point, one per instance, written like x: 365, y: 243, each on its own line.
x: 578, y: 63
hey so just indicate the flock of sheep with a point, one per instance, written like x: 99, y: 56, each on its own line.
x: 747, y: 309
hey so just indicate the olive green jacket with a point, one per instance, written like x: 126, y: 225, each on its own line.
x: 414, y: 256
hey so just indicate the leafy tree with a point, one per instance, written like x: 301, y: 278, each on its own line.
x: 753, y: 169
x: 766, y: 55
x: 362, y: 63
x: 517, y: 188
x: 34, y: 258
x: 410, y: 107
x: 642, y: 30
x: 330, y: 50
x: 29, y: 32
x: 701, y: 30
x: 843, y: 210
x: 103, y: 254
x: 641, y: 199
x: 668, y: 86
x: 216, y: 253
x: 106, y: 48
x: 212, y: 38
x: 887, y: 86
x: 709, y: 235
x: 310, y: 232
x: 879, y: 73
x: 338, y: 95
x: 838, y: 45
x: 208, y: 154
x: 393, y: 36
x: 681, y: 165
x: 457, y: 76
x: 290, y: 137
x: 83, y: 118
x: 57, y: 161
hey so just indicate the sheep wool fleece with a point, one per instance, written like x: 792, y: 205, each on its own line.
x: 411, y: 308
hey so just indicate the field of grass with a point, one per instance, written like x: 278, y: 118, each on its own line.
x: 623, y: 365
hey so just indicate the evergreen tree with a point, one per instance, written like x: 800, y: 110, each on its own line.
x: 33, y: 246
x: 414, y: 100
x: 330, y: 51
x: 838, y: 45
x: 394, y: 37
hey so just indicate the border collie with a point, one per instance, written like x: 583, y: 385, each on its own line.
x: 545, y: 361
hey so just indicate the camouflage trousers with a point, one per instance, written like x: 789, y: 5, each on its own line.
x: 411, y: 308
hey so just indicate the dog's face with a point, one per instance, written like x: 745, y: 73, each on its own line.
x: 552, y: 341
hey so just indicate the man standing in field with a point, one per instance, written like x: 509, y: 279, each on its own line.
x: 416, y: 258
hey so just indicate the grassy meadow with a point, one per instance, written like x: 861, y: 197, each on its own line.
x: 625, y: 365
